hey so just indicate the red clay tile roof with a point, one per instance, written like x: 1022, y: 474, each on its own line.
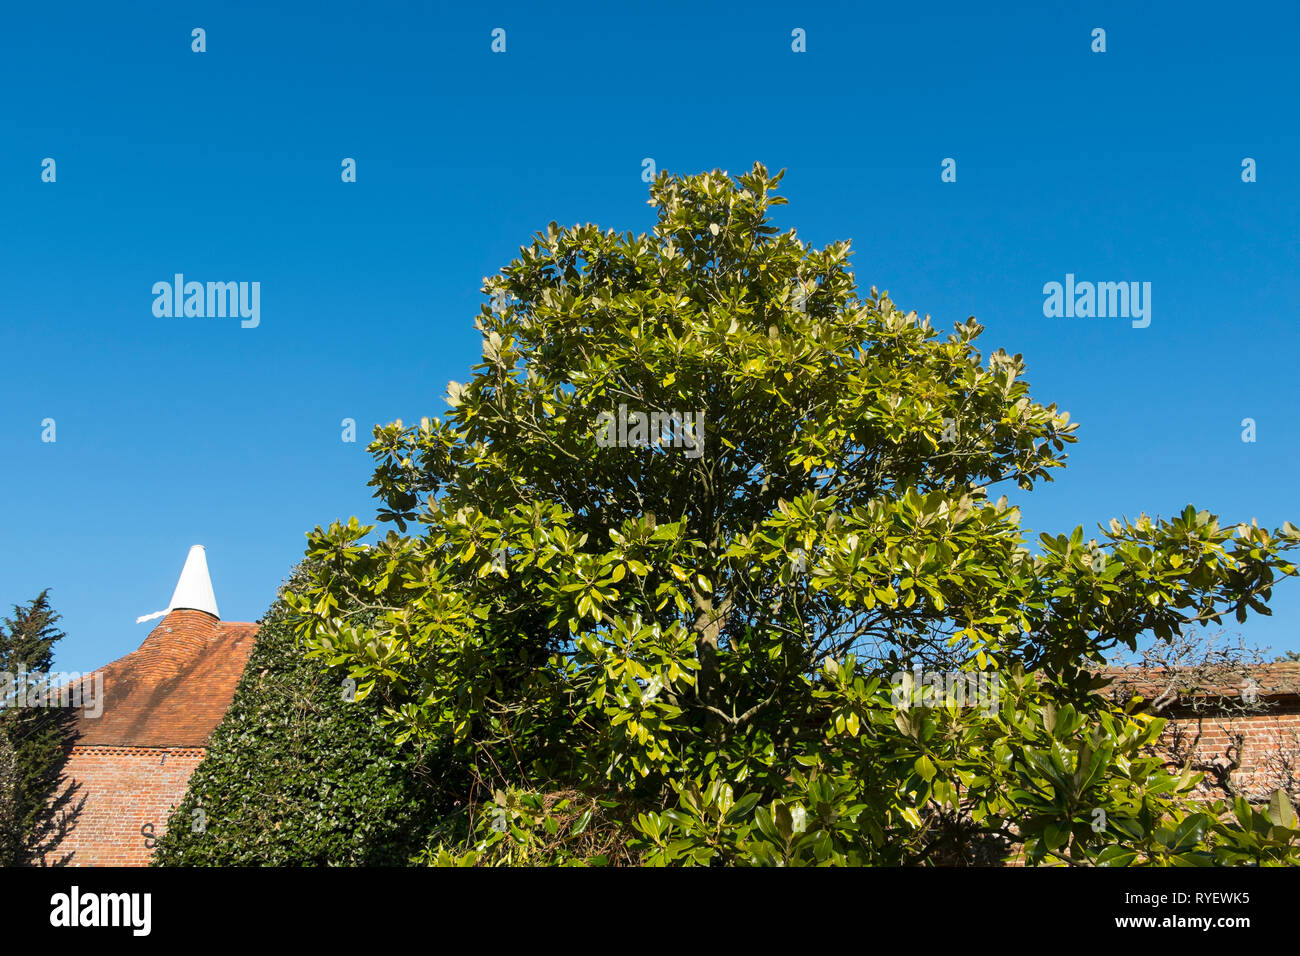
x: 173, y: 690
x: 1273, y: 680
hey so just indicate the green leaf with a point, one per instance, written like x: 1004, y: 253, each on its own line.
x: 925, y: 767
x: 1116, y: 856
x: 1280, y: 811
x: 580, y: 824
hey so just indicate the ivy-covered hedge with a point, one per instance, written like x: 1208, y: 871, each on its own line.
x: 295, y: 775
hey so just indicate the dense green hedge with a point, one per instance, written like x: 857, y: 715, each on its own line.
x: 295, y: 775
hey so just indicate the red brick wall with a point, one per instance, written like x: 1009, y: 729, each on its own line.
x: 1265, y: 747
x: 124, y: 789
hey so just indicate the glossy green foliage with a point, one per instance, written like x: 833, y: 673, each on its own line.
x: 707, y: 643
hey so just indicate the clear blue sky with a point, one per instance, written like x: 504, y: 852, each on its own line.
x: 226, y: 166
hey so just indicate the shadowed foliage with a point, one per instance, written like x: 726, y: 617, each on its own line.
x: 296, y: 775
x: 36, y: 803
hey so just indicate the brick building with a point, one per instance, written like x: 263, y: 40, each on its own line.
x: 131, y: 764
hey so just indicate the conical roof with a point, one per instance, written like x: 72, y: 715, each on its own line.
x: 194, y: 589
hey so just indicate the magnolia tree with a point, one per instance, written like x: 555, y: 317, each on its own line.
x: 703, y: 566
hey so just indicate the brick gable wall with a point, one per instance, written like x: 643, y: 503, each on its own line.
x: 132, y: 764
x: 124, y: 789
